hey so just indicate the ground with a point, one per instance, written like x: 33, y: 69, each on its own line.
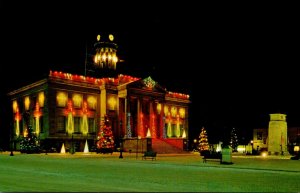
x: 93, y: 172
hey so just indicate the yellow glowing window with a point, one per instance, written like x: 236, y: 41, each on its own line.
x: 15, y: 106
x: 92, y: 102
x: 173, y: 111
x: 112, y: 102
x: 27, y: 103
x: 77, y: 100
x: 158, y: 108
x: 61, y: 98
x: 182, y: 112
x: 166, y: 110
x: 41, y: 99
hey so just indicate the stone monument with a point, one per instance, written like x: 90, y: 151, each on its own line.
x: 277, y: 134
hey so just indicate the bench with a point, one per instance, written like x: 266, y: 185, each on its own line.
x: 149, y: 155
x: 214, y: 156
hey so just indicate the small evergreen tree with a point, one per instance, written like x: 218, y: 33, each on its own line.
x: 30, y: 142
x: 105, y: 143
x: 203, y: 140
x: 233, y: 140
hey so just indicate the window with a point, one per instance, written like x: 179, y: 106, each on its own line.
x: 61, y: 98
x: 76, y: 124
x: 61, y: 124
x: 91, y: 125
x: 92, y: 102
x: 259, y: 135
x: 40, y: 127
x: 77, y: 100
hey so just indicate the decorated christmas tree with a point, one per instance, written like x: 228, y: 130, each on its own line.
x: 203, y: 141
x: 29, y: 143
x: 233, y: 140
x: 105, y: 143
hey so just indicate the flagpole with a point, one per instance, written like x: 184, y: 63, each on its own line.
x: 85, y: 61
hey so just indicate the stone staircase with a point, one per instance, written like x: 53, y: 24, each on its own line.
x: 162, y: 147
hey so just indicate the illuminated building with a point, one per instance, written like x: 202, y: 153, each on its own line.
x: 69, y: 108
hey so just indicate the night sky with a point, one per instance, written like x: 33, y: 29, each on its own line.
x: 238, y: 63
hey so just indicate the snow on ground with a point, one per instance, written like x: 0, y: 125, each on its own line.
x: 169, y: 173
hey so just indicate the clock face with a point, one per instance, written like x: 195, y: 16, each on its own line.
x: 111, y: 37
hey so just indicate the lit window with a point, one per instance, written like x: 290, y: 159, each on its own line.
x: 173, y: 111
x: 166, y: 110
x: 92, y: 102
x: 77, y: 100
x: 182, y: 112
x: 41, y: 98
x: 61, y: 99
x: 27, y: 103
x: 112, y: 102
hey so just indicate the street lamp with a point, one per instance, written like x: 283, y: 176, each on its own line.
x: 195, y: 142
x: 137, y: 146
x: 121, y: 148
x: 252, y: 146
x: 11, y: 144
x: 72, y: 145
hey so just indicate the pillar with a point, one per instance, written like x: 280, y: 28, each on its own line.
x: 277, y: 134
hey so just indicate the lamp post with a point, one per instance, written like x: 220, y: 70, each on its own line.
x: 195, y: 141
x: 137, y: 148
x: 11, y: 144
x: 72, y: 145
x: 121, y: 148
x: 252, y: 147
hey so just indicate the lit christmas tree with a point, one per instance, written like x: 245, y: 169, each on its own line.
x: 203, y: 141
x: 29, y: 143
x: 233, y: 140
x: 105, y: 143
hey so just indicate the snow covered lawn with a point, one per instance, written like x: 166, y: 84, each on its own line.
x: 169, y: 173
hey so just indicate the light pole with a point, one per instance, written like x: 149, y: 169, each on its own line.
x: 121, y: 148
x: 137, y: 147
x: 11, y: 144
x: 252, y: 147
x: 72, y: 145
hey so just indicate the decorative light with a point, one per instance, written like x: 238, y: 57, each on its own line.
x: 158, y: 108
x: 27, y: 103
x: 15, y: 106
x: 149, y: 82
x: 41, y: 98
x: 183, y: 134
x: 77, y: 100
x: 173, y: 111
x: 106, y: 53
x: 182, y: 112
x: 112, y: 102
x: 166, y: 110
x: 91, y: 100
x: 111, y: 37
x: 148, y: 133
x: 61, y: 98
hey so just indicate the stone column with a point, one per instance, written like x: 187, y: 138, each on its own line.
x: 277, y: 134
x: 139, y: 122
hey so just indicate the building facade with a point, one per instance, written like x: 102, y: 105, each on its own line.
x: 66, y: 108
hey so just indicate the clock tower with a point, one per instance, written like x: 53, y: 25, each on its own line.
x: 105, y: 57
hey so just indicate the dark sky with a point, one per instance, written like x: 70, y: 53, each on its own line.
x: 237, y: 62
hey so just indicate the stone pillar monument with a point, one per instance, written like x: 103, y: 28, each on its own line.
x: 277, y: 134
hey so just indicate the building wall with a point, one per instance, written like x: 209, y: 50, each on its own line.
x: 260, y: 138
x: 64, y: 114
